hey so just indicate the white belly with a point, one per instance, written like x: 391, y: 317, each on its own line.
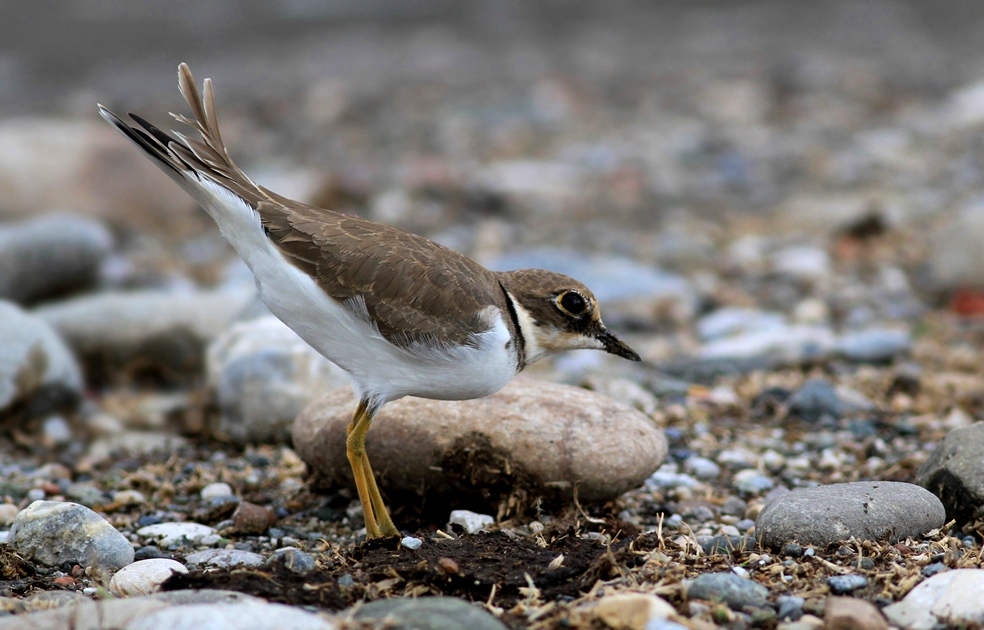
x: 376, y: 366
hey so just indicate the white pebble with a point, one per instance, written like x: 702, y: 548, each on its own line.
x: 214, y: 490
x: 144, y: 577
x: 411, y: 543
x: 470, y: 521
x: 167, y: 534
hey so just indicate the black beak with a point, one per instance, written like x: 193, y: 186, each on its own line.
x: 614, y: 345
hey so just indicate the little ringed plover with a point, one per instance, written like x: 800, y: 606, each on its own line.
x: 401, y: 314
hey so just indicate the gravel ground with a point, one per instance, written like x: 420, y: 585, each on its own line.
x: 779, y: 207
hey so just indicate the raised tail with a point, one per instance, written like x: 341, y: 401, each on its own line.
x: 191, y: 162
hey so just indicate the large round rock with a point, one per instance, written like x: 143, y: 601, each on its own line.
x: 866, y: 510
x: 532, y: 436
x: 53, y: 533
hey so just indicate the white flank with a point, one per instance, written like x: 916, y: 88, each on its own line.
x: 338, y: 332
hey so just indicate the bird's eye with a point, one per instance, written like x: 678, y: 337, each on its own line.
x: 572, y: 303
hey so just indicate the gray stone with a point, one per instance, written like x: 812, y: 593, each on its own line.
x: 264, y: 375
x: 428, y: 613
x: 412, y: 543
x: 254, y: 615
x: 224, y: 558
x: 783, y: 345
x: 751, y: 481
x: 730, y: 321
x: 790, y: 607
x: 737, y: 592
x: 33, y: 359
x: 815, y: 399
x: 843, y: 584
x: 874, y: 345
x: 169, y: 329
x: 545, y: 436
x: 294, y: 560
x: 53, y: 533
x: 954, y: 472
x: 866, y: 510
x: 86, y: 494
x: 51, y: 255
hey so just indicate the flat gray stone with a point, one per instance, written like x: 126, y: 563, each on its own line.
x: 51, y: 255
x: 33, y: 358
x: 224, y: 558
x: 169, y: 329
x: 866, y: 510
x: 428, y: 613
x: 53, y: 533
x: 540, y: 436
x: 735, y: 591
x: 954, y: 472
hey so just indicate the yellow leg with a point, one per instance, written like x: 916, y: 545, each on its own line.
x: 365, y: 482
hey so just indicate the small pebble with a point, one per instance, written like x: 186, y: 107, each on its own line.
x: 411, y: 543
x: 843, y: 584
x: 214, y: 490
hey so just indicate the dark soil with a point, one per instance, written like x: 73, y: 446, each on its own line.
x: 488, y: 567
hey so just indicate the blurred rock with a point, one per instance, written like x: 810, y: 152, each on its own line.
x: 53, y: 533
x: 726, y: 322
x: 259, y: 615
x: 531, y: 436
x: 35, y: 363
x: 632, y: 611
x: 848, y: 613
x: 737, y: 592
x: 86, y: 166
x: 787, y: 344
x: 118, y: 613
x: 954, y: 472
x: 956, y: 258
x: 866, y: 510
x: 264, y: 375
x: 162, y: 332
x: 50, y: 256
x: 951, y: 599
x: 428, y: 613
x: 874, y: 345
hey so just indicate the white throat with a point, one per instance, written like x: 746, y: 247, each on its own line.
x: 530, y: 331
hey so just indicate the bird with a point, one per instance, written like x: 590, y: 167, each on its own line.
x: 401, y: 314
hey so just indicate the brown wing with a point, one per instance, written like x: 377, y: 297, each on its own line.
x: 404, y: 279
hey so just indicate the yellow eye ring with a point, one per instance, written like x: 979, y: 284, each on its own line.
x: 572, y: 303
